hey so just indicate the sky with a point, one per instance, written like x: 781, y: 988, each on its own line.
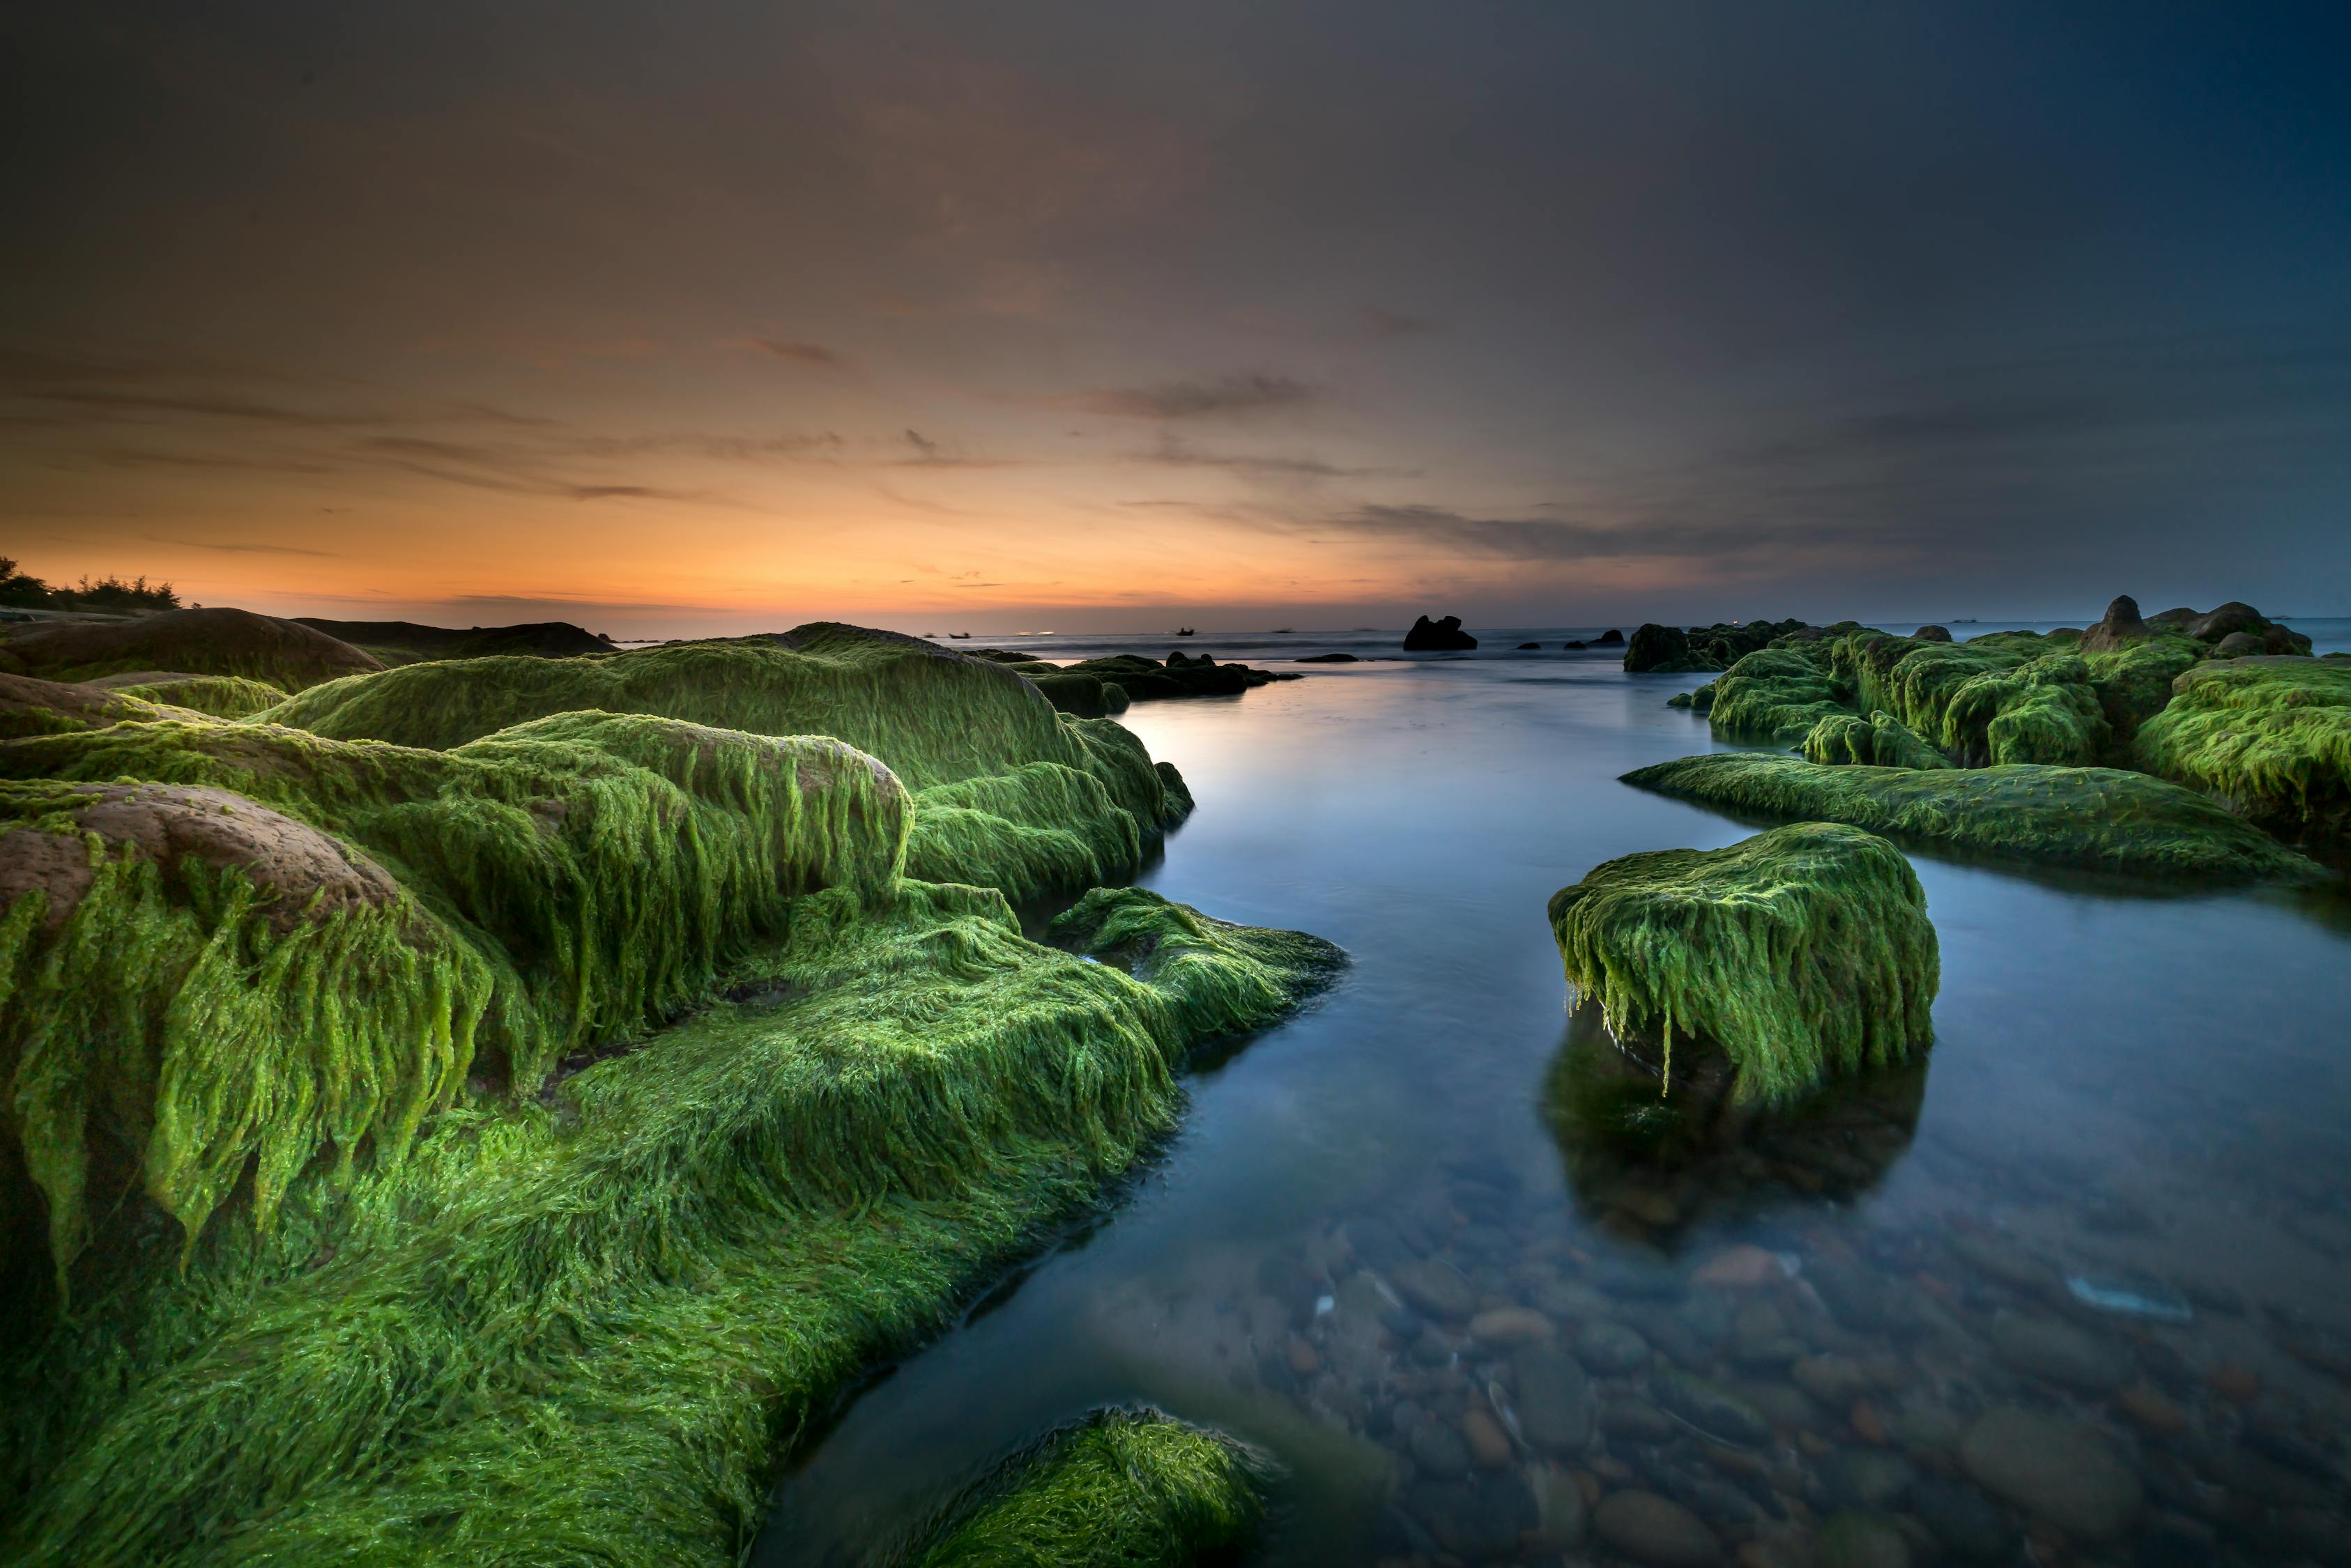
x: 707, y: 318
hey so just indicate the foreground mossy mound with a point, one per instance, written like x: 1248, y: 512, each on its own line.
x: 1008, y: 792
x: 275, y: 945
x: 1799, y: 953
x: 2269, y: 735
x: 576, y: 1327
x: 1119, y: 1490
x: 217, y: 642
x: 221, y: 696
x: 2101, y: 819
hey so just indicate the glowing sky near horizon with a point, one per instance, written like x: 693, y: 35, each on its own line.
x: 707, y: 318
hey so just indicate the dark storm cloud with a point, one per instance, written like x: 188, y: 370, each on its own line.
x: 1232, y: 395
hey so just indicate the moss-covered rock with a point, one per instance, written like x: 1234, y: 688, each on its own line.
x: 1980, y: 703
x: 187, y: 983
x: 1777, y: 695
x: 1122, y: 1487
x: 1024, y: 794
x: 1800, y: 952
x: 217, y: 642
x: 1881, y: 740
x: 571, y: 1327
x: 2101, y: 817
x: 221, y: 696
x: 1657, y: 649
x: 2269, y: 735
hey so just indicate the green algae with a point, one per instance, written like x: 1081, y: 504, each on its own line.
x: 558, y: 886
x: 581, y: 1330
x: 1983, y: 703
x: 939, y: 720
x: 1801, y: 952
x: 221, y: 696
x: 2134, y: 683
x: 1881, y: 740
x: 1777, y: 695
x: 1124, y: 1487
x: 2100, y: 818
x: 2269, y: 735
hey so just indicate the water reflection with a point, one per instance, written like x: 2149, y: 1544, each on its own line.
x: 1400, y: 1241
x: 1649, y: 1166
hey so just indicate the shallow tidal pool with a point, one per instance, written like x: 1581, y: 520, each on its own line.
x: 2076, y: 1287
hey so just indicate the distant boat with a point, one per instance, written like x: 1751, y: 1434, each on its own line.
x: 1183, y: 632
x: 964, y: 634
x: 1280, y: 632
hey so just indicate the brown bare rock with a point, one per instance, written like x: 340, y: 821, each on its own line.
x: 309, y: 874
x: 217, y: 642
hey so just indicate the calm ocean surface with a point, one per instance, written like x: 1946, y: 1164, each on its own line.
x: 2111, y: 1199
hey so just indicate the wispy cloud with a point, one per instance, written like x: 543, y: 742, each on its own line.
x: 1231, y: 395
x: 1173, y: 452
x: 798, y: 352
x: 234, y: 547
x: 1389, y: 323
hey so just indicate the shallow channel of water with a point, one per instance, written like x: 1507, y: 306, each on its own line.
x: 1413, y: 1243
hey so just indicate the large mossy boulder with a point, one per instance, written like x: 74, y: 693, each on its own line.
x: 1777, y: 695
x: 217, y: 642
x: 1799, y: 953
x: 1985, y: 702
x: 2104, y: 818
x: 1132, y: 1487
x: 1010, y: 793
x: 266, y: 947
x: 2269, y: 735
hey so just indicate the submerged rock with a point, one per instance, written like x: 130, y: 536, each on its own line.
x: 2058, y: 1469
x: 1800, y: 952
x: 1437, y: 637
x: 1655, y: 1530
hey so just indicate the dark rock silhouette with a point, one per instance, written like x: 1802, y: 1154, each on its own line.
x: 1932, y: 634
x: 2120, y: 626
x: 1437, y: 637
x: 1611, y: 638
